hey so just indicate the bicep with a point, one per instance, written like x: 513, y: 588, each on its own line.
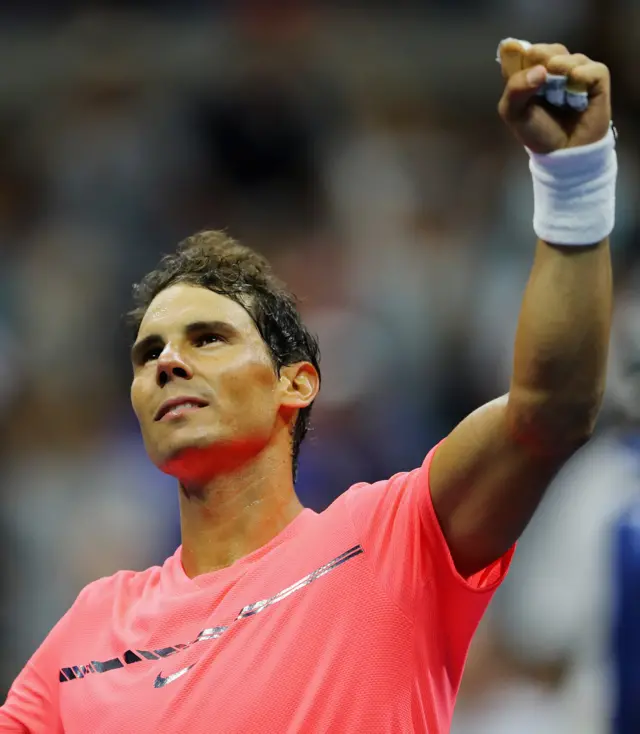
x: 485, y: 486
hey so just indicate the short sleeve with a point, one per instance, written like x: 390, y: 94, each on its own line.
x: 32, y: 703
x: 400, y: 533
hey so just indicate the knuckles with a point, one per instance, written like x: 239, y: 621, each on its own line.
x: 560, y: 63
x: 541, y: 52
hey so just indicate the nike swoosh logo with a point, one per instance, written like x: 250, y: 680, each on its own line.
x: 161, y: 682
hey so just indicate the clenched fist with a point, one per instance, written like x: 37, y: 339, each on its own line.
x: 538, y: 125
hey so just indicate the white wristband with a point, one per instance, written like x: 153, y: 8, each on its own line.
x: 574, y: 192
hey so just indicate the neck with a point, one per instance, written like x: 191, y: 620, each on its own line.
x: 236, y: 512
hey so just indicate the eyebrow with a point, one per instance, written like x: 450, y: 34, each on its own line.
x: 196, y: 327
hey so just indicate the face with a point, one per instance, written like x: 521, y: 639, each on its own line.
x: 204, y: 388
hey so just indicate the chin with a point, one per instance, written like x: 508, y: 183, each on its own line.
x: 188, y: 462
x: 176, y: 448
x: 199, y: 458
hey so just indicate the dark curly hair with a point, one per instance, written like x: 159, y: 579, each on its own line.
x: 213, y: 260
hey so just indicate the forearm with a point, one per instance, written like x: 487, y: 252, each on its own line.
x: 561, y: 346
x: 488, y: 476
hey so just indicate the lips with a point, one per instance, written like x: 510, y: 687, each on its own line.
x: 185, y: 402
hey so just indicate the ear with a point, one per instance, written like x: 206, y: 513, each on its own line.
x: 299, y: 385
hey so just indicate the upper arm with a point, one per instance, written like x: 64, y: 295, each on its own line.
x: 485, y: 486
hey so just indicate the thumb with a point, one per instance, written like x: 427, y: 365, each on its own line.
x: 521, y: 88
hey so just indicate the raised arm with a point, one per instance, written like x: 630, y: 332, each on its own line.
x: 490, y: 473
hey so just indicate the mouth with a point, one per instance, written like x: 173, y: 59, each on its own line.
x: 176, y: 407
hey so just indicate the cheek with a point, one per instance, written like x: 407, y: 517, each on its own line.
x: 137, y: 394
x: 251, y: 386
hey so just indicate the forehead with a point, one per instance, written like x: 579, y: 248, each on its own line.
x: 182, y: 304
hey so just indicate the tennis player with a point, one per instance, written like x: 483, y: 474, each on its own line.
x: 271, y: 617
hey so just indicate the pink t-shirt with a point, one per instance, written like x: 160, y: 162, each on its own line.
x: 351, y: 620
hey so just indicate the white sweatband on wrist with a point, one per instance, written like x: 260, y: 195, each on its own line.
x: 574, y: 192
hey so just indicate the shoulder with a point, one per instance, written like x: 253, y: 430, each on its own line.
x: 122, y: 584
x: 403, y: 492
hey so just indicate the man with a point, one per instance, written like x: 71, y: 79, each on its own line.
x: 271, y: 617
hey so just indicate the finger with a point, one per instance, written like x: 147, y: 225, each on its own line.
x: 592, y: 76
x: 511, y: 56
x: 564, y: 65
x: 540, y: 53
x: 520, y: 89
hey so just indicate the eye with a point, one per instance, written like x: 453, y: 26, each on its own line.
x: 151, y: 354
x: 209, y: 338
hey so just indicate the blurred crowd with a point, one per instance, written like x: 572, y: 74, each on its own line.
x: 361, y: 152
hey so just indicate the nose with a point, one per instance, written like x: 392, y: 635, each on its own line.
x: 171, y: 365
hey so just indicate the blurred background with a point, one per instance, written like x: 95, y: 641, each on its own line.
x: 358, y: 146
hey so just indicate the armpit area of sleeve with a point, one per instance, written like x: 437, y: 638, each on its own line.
x: 485, y: 581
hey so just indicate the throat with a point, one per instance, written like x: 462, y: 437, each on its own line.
x: 219, y: 529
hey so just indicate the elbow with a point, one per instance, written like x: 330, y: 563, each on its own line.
x: 553, y: 425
